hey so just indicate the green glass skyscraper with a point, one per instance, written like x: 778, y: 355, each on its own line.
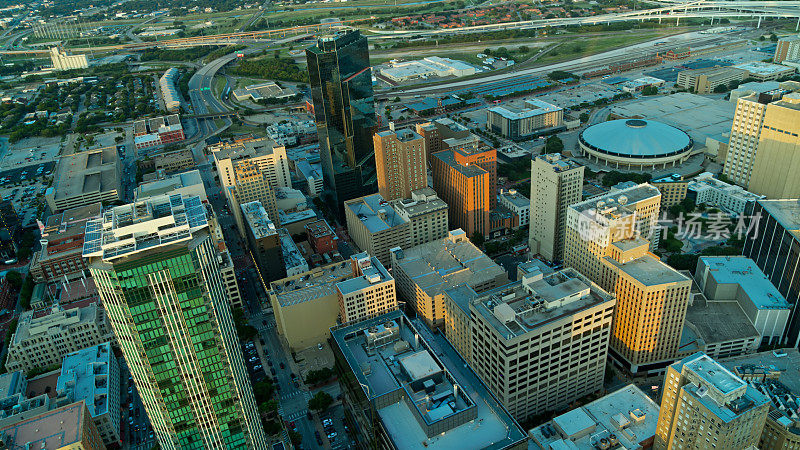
x: 156, y: 269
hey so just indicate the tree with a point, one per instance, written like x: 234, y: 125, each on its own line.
x: 650, y: 90
x: 295, y: 437
x: 14, y: 279
x: 720, y: 88
x: 320, y: 401
x: 478, y: 239
x: 118, y: 139
x: 553, y: 145
x: 584, y: 117
x: 263, y: 391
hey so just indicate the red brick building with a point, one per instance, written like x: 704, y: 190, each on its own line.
x: 321, y: 237
x: 62, y: 247
x: 157, y: 131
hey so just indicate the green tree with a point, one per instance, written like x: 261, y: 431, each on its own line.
x: 320, y: 401
x: 584, y: 117
x: 478, y: 239
x: 14, y: 279
x: 295, y: 437
x: 720, y: 88
x: 553, y: 145
x: 650, y: 90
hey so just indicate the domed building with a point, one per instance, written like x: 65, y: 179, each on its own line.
x: 635, y: 144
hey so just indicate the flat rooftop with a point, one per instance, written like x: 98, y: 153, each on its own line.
x: 763, y: 68
x: 251, y: 148
x: 518, y: 308
x: 85, y: 375
x: 611, y: 206
x: 784, y: 360
x: 170, y: 183
x: 143, y: 225
x: 786, y: 212
x: 442, y: 264
x: 470, y: 171
x: 744, y: 272
x: 320, y: 228
x: 402, y: 134
x: 731, y: 190
x: 649, y: 271
x: 700, y: 117
x: 532, y: 108
x: 423, y: 201
x: 64, y: 428
x: 87, y: 172
x: 391, y: 353
x: 318, y: 282
x: 515, y: 198
x: 716, y: 322
x: 258, y: 220
x: 373, y: 273
x: 375, y: 213
x: 292, y: 257
x: 558, y: 162
x: 627, y: 413
x: 71, y: 222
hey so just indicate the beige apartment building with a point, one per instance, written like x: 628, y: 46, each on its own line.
x: 251, y: 171
x: 556, y: 183
x: 400, y: 162
x: 377, y: 225
x: 777, y: 161
x: 43, y: 340
x: 369, y: 293
x: 539, y: 344
x: 703, y: 81
x: 423, y: 273
x: 593, y: 225
x: 704, y: 405
x: 307, y: 305
x: 515, y: 123
x: 426, y: 215
x: 604, y: 242
x: 787, y: 49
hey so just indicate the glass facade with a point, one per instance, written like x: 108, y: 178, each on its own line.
x: 161, y: 307
x: 776, y: 251
x: 344, y: 110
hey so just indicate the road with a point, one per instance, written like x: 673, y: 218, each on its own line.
x: 693, y: 39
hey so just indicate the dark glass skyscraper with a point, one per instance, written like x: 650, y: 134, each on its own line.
x: 344, y: 110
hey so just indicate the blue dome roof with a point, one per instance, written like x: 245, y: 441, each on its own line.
x: 636, y: 138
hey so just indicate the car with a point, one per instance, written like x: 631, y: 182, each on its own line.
x: 296, y: 384
x: 257, y: 367
x: 283, y: 366
x: 253, y: 359
x: 272, y: 370
x: 332, y: 435
x: 269, y: 361
x: 150, y: 435
x: 327, y: 422
x: 319, y: 346
x: 309, y: 416
x: 264, y: 322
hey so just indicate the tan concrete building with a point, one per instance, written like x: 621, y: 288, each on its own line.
x: 539, y: 344
x: 400, y: 162
x: 788, y: 48
x: 177, y: 161
x: 593, y: 225
x: 369, y: 293
x: 777, y: 160
x: 535, y: 117
x: 375, y: 226
x: 604, y: 241
x: 307, y: 305
x: 42, y: 339
x: 651, y: 307
x: 84, y: 178
x: 444, y: 133
x: 673, y: 189
x: 704, y: 405
x: 186, y: 183
x: 556, y: 183
x: 251, y: 171
x: 744, y: 138
x: 64, y: 61
x: 423, y: 273
x: 426, y: 215
x: 69, y: 427
x: 703, y: 81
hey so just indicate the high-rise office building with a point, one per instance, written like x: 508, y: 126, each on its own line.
x: 556, y: 183
x: 603, y: 240
x: 156, y: 269
x: 788, y: 48
x: 773, y: 243
x: 250, y: 171
x: 445, y: 133
x: 554, y: 333
x: 369, y: 293
x: 763, y: 144
x: 344, y: 110
x: 466, y: 179
x: 704, y: 405
x: 400, y: 162
x: 776, y: 162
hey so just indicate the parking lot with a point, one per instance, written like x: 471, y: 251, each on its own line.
x: 29, y: 151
